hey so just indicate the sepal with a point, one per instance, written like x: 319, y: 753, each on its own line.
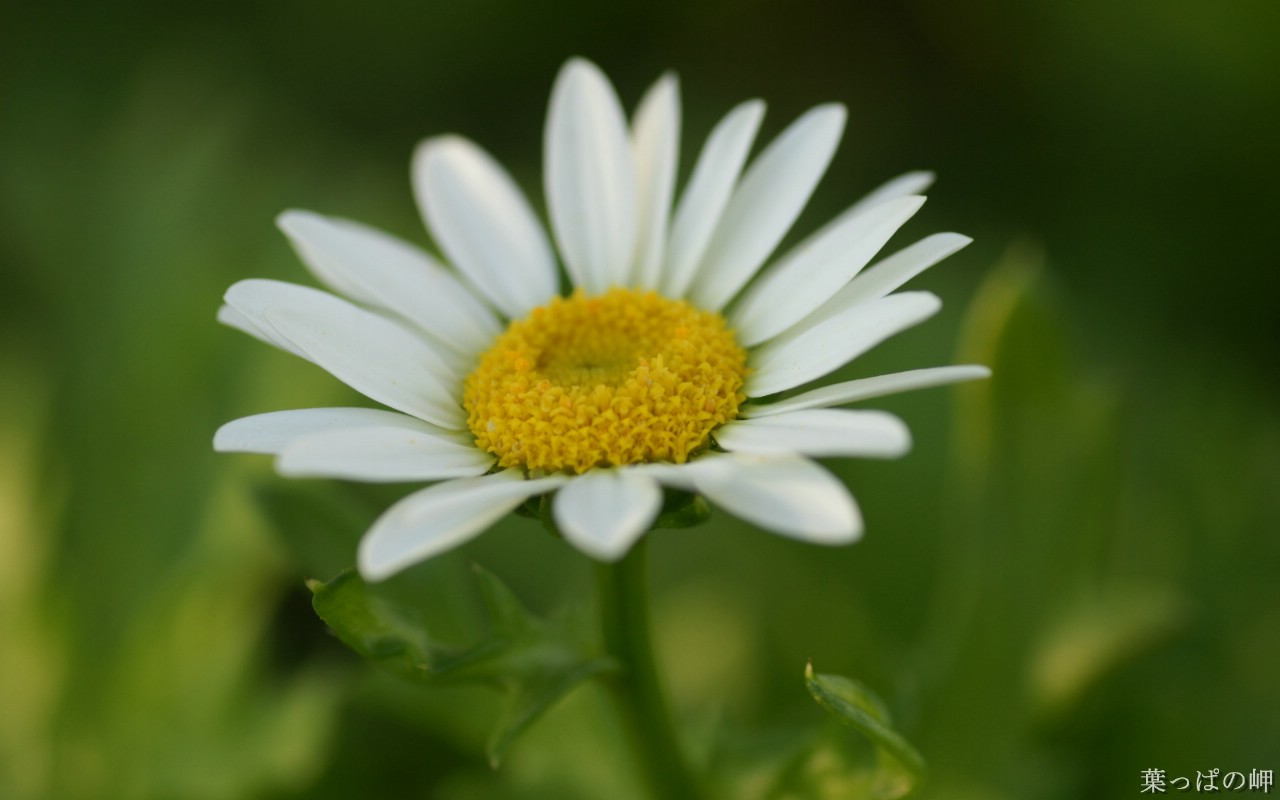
x: 682, y: 509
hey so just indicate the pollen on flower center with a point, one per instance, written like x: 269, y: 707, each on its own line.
x: 622, y: 378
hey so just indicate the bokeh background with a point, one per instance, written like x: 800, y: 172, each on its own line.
x: 1071, y: 579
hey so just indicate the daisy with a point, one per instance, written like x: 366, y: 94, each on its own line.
x: 659, y: 364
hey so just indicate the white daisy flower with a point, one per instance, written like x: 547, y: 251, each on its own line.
x: 655, y: 368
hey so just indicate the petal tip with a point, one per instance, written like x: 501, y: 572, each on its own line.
x: 601, y: 552
x: 926, y: 304
x: 372, y: 569
x: 749, y: 114
x: 227, y: 316
x: 904, y: 446
x: 850, y: 526
x: 854, y: 535
x: 221, y: 437
x: 291, y: 219
x: 577, y: 69
x: 833, y: 114
x: 286, y: 467
x: 433, y: 145
x: 920, y: 180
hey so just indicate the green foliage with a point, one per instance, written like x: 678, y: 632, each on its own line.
x: 534, y: 661
x: 824, y: 770
x: 901, y: 767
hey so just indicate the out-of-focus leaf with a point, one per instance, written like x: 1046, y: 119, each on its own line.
x: 533, y: 661
x: 1028, y: 510
x: 1014, y: 327
x: 320, y: 524
x: 1093, y: 639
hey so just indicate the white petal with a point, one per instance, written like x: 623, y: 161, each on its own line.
x: 655, y: 138
x: 234, y: 319
x: 590, y: 177
x: 707, y: 194
x: 888, y: 274
x: 770, y: 197
x: 441, y: 517
x: 274, y: 431
x: 373, y: 267
x: 820, y: 432
x: 484, y: 224
x: 371, y: 354
x: 383, y: 453
x: 603, y: 512
x: 809, y: 351
x: 866, y: 388
x: 807, y: 276
x: 892, y: 189
x: 790, y: 495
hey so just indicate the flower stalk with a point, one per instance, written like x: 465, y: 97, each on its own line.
x: 636, y: 690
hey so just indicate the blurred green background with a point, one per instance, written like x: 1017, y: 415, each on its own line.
x: 1071, y: 579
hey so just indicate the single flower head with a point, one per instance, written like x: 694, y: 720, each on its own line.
x: 655, y: 367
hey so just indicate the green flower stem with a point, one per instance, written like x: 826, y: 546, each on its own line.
x: 624, y: 614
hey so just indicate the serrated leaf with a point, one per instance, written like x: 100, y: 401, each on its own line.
x: 534, y: 661
x: 901, y: 766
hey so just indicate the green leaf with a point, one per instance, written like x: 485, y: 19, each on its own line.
x: 373, y: 627
x: 505, y: 609
x: 533, y: 694
x: 535, y: 662
x: 901, y: 768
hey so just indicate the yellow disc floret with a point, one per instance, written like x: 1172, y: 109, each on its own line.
x: 622, y: 378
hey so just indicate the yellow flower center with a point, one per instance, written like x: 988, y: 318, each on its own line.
x: 622, y: 378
